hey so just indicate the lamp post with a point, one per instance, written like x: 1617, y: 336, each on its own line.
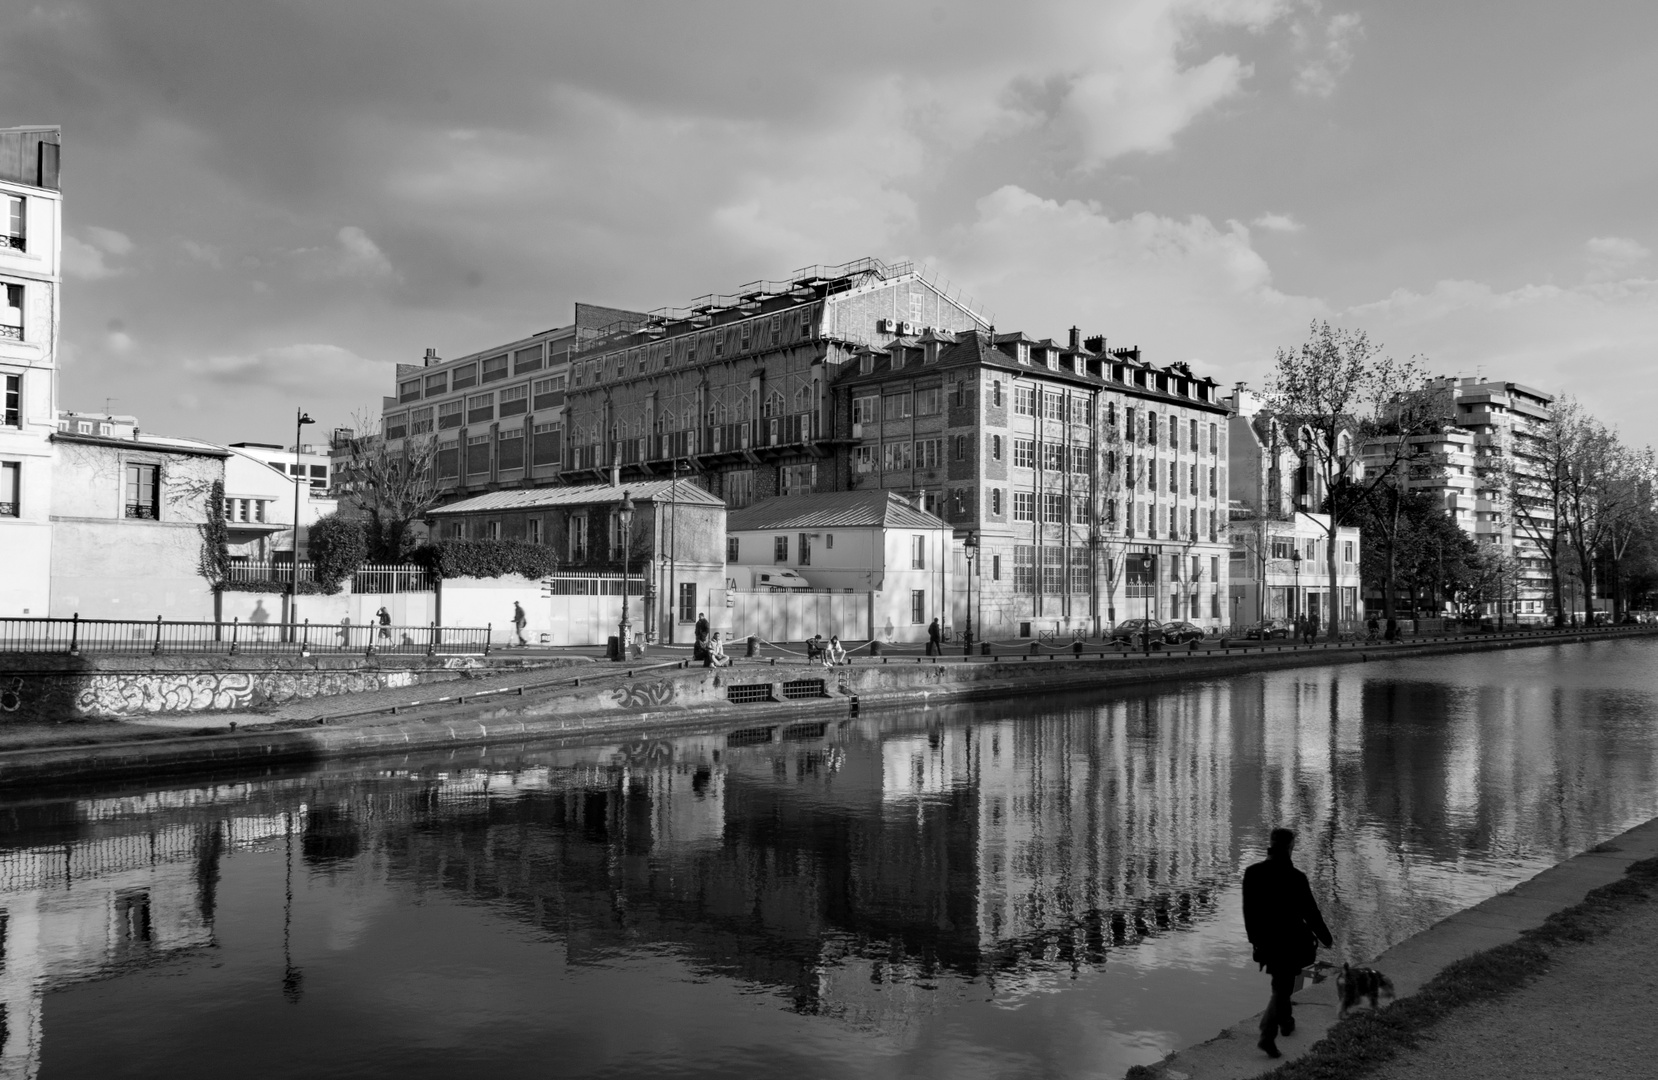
x: 970, y: 549
x: 1295, y: 596
x: 624, y: 514
x: 301, y: 418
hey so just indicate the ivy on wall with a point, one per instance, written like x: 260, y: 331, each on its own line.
x: 214, y: 563
x: 485, y: 558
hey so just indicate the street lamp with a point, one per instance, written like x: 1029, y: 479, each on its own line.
x: 1295, y: 596
x: 624, y: 514
x: 301, y: 418
x: 970, y: 548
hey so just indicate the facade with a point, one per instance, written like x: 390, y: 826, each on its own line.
x: 309, y: 462
x: 854, y: 541
x: 1051, y: 463
x: 498, y: 414
x: 259, y: 504
x: 739, y: 385
x: 127, y: 517
x: 675, y: 548
x: 1278, y: 570
x: 31, y: 240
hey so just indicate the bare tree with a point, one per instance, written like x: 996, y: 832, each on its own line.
x: 392, y: 487
x: 1637, y: 519
x: 1340, y: 396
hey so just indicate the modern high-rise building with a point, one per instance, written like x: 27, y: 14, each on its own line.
x: 31, y: 280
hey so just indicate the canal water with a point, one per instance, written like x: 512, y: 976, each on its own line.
x: 1046, y: 887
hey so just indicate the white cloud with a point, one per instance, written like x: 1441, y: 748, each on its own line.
x: 1611, y: 257
x: 116, y: 243
x: 119, y: 342
x: 1278, y: 223
x: 82, y: 260
x: 298, y: 368
x: 360, y: 256
x: 1327, y: 49
x: 203, y: 253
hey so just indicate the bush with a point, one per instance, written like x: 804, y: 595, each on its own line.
x: 338, y: 546
x: 485, y: 558
x: 215, y: 537
x: 271, y: 586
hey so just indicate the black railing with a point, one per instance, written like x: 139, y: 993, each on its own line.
x: 18, y: 242
x: 7, y: 330
x: 147, y: 511
x: 77, y: 635
x: 8, y: 509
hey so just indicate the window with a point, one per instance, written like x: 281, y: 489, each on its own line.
x: 1211, y: 481
x: 1053, y: 507
x: 13, y: 415
x: 515, y: 400
x: 865, y: 409
x: 464, y: 376
x: 995, y: 448
x: 1024, y: 401
x: 495, y: 368
x: 397, y: 425
x: 960, y: 448
x: 1053, y: 570
x: 1079, y: 570
x: 437, y: 384
x: 739, y: 488
x: 11, y: 315
x: 1111, y: 513
x: 510, y: 452
x: 449, y: 461
x: 1347, y: 551
x: 1174, y: 433
x: 1214, y: 438
x: 449, y: 414
x: 1151, y: 475
x: 477, y: 455
x: 1214, y: 568
x: 1053, y: 457
x: 1079, y: 510
x: 11, y: 479
x: 1191, y: 523
x: 797, y: 479
x: 896, y: 456
x: 534, y: 530
x: 918, y: 606
x: 928, y: 453
x: 408, y: 391
x: 547, y: 444
x: 918, y: 552
x: 805, y: 549
x: 1024, y: 454
x: 526, y: 360
x: 1194, y: 436
x: 1024, y: 506
x: 780, y: 549
x: 143, y: 491
x: 1079, y: 459
x: 996, y: 501
x: 17, y: 224
x: 995, y: 568
x: 1053, y: 405
x: 929, y: 401
x: 547, y: 393
x: 420, y: 421
x: 576, y: 537
x: 896, y: 406
x: 996, y: 392
x: 866, y: 459
x: 732, y: 546
x: 480, y: 408
x: 1191, y: 481
x: 1024, y: 568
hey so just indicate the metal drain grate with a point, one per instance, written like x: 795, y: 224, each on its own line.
x: 748, y: 693
x: 751, y: 736
x: 804, y: 731
x: 804, y: 688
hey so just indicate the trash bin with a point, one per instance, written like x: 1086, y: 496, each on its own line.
x: 753, y: 646
x: 875, y: 646
x: 984, y: 648
x: 613, y: 648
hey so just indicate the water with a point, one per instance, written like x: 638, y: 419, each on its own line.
x: 989, y: 890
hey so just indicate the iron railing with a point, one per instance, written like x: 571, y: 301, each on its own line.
x: 77, y: 635
x: 370, y: 578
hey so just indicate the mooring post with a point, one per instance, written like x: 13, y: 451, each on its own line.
x: 157, y: 650
x: 75, y: 635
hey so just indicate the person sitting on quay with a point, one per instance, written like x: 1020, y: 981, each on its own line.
x: 835, y: 654
x: 715, y: 653
x: 814, y: 648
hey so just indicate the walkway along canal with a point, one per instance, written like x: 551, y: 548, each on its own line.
x: 1015, y: 887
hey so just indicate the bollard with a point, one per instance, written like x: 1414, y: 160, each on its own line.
x: 874, y: 647
x: 1076, y: 649
x: 1033, y: 648
x: 754, y: 646
x: 75, y: 635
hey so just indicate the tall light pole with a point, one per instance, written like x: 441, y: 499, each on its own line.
x: 970, y: 548
x: 624, y: 514
x: 301, y: 418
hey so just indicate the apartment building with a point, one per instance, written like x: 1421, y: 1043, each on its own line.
x: 31, y: 240
x: 497, y: 414
x: 739, y: 384
x: 1053, y: 463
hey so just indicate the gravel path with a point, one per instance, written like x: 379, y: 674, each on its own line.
x: 1593, y: 1014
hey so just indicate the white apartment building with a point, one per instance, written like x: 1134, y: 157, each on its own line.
x: 31, y: 281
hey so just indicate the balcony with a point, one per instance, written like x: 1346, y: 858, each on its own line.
x: 16, y: 243
x: 9, y: 332
x: 143, y: 511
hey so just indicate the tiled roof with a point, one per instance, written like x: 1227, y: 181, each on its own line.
x: 833, y: 510
x: 642, y: 491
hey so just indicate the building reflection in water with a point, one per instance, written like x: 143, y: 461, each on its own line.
x: 855, y: 866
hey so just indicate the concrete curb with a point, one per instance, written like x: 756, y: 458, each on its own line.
x: 1232, y: 1055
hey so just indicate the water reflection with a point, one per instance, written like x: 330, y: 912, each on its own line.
x: 957, y: 890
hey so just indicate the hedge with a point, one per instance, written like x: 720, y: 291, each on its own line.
x: 271, y: 585
x: 338, y: 546
x: 485, y: 558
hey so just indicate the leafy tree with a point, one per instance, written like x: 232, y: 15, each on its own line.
x: 338, y: 547
x: 1341, y: 397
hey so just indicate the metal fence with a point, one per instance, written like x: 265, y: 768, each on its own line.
x: 77, y: 635
x: 370, y: 578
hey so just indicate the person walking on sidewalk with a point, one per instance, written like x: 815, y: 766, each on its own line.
x: 935, y: 638
x: 1285, y: 929
x: 383, y: 618
x: 518, y: 622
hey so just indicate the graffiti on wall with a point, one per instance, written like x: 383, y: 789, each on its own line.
x: 648, y: 695
x: 109, y: 696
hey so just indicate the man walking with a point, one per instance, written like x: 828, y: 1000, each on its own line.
x: 518, y: 622
x: 1284, y: 927
x: 935, y: 639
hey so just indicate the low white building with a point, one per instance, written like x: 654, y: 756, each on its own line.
x: 853, y: 541
x: 259, y: 505
x: 1278, y: 570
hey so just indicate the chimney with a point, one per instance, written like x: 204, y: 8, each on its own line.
x: 1076, y: 339
x: 432, y: 358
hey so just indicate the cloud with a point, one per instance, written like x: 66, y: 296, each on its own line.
x: 1278, y: 223
x: 85, y: 259
x: 1611, y: 257
x: 292, y: 368
x: 1327, y: 48
x: 359, y: 256
x: 203, y: 253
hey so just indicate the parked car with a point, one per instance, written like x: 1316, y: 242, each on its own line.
x: 1263, y: 631
x: 1179, y: 633
x: 1129, y: 630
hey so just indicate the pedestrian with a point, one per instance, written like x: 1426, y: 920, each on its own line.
x: 1301, y: 628
x: 383, y: 617
x: 1312, y: 628
x: 518, y: 622
x: 1374, y: 626
x: 935, y: 638
x: 1285, y: 929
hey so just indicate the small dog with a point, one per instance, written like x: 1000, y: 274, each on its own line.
x: 1355, y: 983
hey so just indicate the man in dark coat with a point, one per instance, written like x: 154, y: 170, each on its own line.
x: 1284, y: 926
x: 934, y: 640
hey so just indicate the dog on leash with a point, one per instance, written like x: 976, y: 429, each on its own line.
x: 1355, y: 983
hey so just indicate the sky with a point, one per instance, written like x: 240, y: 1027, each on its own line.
x: 269, y: 204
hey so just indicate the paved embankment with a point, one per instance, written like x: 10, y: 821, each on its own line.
x: 1413, y: 963
x: 643, y: 695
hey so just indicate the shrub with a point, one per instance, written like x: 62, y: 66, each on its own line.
x: 338, y: 546
x: 273, y: 587
x: 485, y: 558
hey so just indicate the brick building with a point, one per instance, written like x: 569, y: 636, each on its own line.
x: 1052, y: 462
